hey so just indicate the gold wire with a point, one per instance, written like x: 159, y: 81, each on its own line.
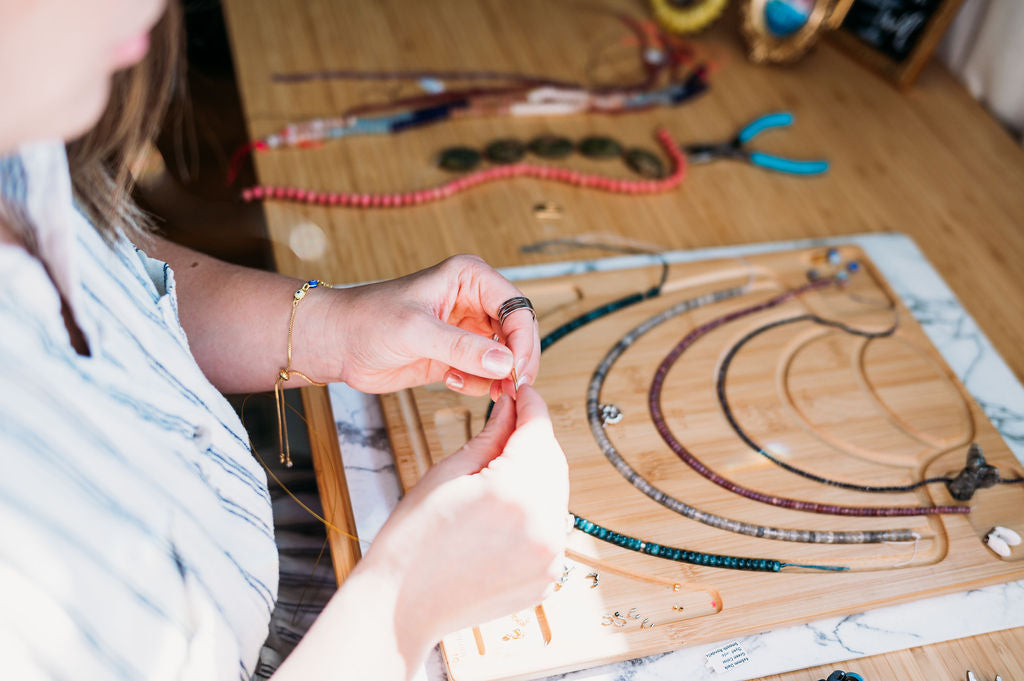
x: 276, y: 479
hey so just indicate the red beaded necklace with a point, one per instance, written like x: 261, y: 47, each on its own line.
x: 503, y: 172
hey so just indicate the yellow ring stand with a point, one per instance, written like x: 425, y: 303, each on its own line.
x: 676, y: 19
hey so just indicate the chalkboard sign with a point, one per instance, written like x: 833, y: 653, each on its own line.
x: 896, y: 36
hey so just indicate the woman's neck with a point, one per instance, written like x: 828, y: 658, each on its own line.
x: 11, y: 237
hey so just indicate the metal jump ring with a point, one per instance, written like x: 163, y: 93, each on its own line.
x: 514, y: 305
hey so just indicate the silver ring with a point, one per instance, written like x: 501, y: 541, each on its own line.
x: 514, y: 305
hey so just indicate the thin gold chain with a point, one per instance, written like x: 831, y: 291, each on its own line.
x: 287, y: 372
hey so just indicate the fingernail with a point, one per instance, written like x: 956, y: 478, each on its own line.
x: 454, y: 381
x: 520, y: 373
x: 498, y: 361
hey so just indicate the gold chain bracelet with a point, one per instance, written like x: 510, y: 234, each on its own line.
x: 287, y: 372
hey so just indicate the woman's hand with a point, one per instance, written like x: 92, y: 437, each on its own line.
x: 434, y: 325
x: 483, y: 533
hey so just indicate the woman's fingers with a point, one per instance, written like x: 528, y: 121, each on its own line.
x: 534, y: 441
x: 467, y: 384
x: 463, y: 350
x: 488, y: 444
x: 522, y: 338
x: 519, y: 330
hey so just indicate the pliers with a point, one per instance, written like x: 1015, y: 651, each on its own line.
x: 735, y: 149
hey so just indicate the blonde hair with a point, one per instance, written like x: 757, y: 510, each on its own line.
x: 100, y: 161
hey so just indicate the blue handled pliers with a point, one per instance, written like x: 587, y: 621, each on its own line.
x: 736, y: 149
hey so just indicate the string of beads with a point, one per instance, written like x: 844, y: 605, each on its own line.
x: 632, y: 543
x: 658, y: 417
x: 504, y: 172
x: 685, y: 556
x: 597, y: 427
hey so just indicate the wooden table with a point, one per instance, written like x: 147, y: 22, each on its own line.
x: 930, y: 163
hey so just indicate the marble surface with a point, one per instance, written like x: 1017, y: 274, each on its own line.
x: 374, y: 486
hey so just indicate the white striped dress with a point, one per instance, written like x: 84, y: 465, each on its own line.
x: 136, y: 539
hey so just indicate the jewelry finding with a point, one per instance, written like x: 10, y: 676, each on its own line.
x: 633, y: 614
x: 615, y: 619
x: 564, y: 578
x: 610, y: 414
x: 647, y: 624
x: 547, y: 211
x: 593, y: 576
x: 677, y: 608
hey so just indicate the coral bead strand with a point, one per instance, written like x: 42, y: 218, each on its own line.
x: 505, y: 172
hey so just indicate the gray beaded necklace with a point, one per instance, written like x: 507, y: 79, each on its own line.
x: 596, y: 418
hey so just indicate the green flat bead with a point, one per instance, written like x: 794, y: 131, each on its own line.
x: 459, y: 159
x: 551, y: 146
x: 600, y: 147
x: 644, y: 163
x: 505, y: 151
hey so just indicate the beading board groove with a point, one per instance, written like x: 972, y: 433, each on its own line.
x: 873, y: 411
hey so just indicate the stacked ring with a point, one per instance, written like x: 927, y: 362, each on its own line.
x: 514, y: 305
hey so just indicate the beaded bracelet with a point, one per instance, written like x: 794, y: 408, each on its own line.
x: 286, y: 373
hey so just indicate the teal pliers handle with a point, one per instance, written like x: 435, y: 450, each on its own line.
x: 788, y: 165
x: 781, y: 119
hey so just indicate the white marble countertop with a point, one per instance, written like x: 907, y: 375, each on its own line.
x: 375, y: 490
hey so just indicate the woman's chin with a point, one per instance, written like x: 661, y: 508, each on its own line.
x: 84, y: 112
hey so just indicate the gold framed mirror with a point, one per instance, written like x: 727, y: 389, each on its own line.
x: 778, y: 31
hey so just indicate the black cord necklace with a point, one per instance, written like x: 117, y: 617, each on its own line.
x: 723, y: 401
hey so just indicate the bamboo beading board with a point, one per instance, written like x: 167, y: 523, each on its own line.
x: 882, y: 412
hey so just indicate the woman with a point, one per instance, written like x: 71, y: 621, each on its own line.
x: 135, y: 531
